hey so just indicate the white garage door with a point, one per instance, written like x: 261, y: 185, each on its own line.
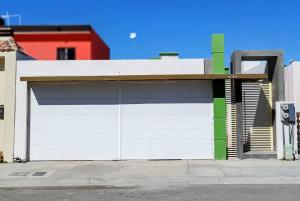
x: 74, y: 122
x: 128, y: 120
x: 166, y: 120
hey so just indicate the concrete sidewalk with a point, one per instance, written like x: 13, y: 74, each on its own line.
x: 147, y: 174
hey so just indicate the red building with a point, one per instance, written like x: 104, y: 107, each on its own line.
x: 66, y: 42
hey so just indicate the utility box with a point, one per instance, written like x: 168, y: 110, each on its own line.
x: 292, y: 113
x: 286, y: 136
x: 287, y: 111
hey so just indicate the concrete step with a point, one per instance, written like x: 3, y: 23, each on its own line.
x: 260, y: 155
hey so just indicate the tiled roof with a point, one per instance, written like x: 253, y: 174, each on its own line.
x: 9, y: 45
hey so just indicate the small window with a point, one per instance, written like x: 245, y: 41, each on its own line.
x: 1, y: 112
x: 66, y: 54
x: 2, y: 64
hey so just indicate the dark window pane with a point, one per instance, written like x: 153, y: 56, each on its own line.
x: 66, y: 54
x: 71, y: 53
x: 60, y: 54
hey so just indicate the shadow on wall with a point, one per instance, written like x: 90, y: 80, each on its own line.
x: 263, y: 111
x: 131, y: 93
x: 258, y: 118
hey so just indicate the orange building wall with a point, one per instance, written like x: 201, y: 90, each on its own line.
x: 98, y: 45
x: 41, y: 46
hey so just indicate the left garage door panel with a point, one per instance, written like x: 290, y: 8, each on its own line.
x: 66, y: 117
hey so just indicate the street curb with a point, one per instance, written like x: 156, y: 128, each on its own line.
x: 94, y: 187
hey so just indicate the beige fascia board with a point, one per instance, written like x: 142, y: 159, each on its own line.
x: 143, y: 77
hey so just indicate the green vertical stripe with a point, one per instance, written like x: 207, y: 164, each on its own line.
x: 218, y: 63
x: 219, y: 98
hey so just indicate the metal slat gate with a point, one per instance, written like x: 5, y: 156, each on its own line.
x: 231, y: 129
x: 257, y: 116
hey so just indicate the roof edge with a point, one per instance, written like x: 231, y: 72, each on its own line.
x: 47, y: 28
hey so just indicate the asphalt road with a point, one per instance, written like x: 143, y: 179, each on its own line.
x: 199, y: 192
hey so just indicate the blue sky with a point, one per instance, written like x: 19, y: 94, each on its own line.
x: 183, y: 26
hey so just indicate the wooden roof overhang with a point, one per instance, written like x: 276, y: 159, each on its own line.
x: 143, y: 77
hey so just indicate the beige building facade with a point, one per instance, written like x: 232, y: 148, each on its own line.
x: 9, y: 55
x: 7, y: 101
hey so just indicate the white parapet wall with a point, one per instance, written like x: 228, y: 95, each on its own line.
x: 88, y: 68
x: 110, y: 67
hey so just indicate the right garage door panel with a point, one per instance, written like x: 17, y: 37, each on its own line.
x: 166, y: 120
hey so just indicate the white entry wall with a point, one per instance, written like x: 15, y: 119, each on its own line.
x: 292, y: 82
x: 121, y: 120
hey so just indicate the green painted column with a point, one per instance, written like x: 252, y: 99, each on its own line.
x: 220, y: 141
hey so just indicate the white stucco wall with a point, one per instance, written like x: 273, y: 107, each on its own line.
x: 254, y: 67
x: 111, y: 67
x: 88, y: 68
x: 292, y: 84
